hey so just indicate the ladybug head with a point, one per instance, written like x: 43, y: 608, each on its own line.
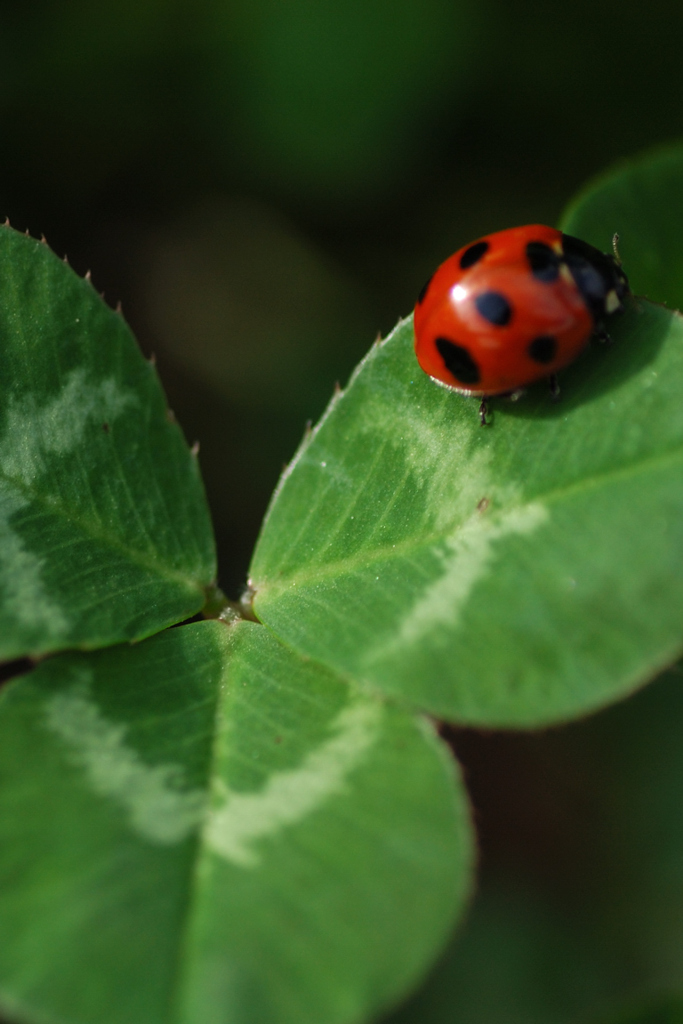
x: 599, y: 277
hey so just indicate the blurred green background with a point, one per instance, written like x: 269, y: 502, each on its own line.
x: 265, y: 185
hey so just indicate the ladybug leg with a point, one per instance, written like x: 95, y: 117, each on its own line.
x: 554, y: 387
x: 602, y: 336
x: 483, y: 410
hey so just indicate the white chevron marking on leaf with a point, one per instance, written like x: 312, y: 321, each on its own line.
x: 466, y: 559
x: 240, y: 820
x: 31, y: 431
x: 156, y: 805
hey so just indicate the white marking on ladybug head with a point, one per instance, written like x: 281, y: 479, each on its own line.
x: 612, y: 302
x: 566, y: 274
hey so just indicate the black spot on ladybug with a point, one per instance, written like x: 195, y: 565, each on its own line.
x: 473, y: 254
x: 544, y: 263
x: 423, y: 290
x: 494, y: 307
x: 458, y: 361
x: 543, y: 349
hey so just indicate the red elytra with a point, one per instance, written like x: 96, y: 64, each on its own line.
x: 513, y: 307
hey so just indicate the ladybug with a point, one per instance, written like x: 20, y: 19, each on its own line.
x: 513, y: 307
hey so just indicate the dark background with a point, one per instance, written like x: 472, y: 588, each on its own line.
x: 266, y: 184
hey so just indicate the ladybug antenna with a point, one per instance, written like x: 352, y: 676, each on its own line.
x: 615, y: 246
